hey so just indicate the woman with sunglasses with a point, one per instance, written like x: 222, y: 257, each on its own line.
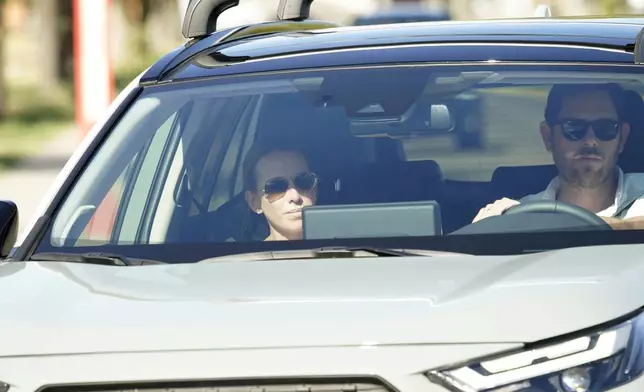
x: 278, y: 185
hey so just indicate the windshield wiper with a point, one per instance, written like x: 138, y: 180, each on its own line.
x: 92, y: 258
x: 381, y: 252
x: 321, y: 253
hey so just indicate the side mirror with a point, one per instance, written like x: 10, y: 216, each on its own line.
x: 8, y: 227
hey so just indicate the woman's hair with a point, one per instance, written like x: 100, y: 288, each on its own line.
x: 256, y: 153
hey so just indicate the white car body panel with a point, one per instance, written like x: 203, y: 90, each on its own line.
x: 392, y: 318
x: 79, y: 308
x: 401, y: 366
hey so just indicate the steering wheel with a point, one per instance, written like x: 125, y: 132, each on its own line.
x: 560, y: 207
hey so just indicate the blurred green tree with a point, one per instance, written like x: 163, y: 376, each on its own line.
x: 3, y: 87
x: 137, y: 13
x: 611, y: 7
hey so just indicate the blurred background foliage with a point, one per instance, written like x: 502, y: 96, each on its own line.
x: 36, y: 49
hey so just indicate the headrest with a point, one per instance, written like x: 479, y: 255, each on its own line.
x: 518, y: 181
x: 630, y: 160
x: 392, y: 181
x: 402, y: 170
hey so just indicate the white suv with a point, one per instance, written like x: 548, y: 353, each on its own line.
x: 269, y: 208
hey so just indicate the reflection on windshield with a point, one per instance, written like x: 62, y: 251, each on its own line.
x: 381, y: 152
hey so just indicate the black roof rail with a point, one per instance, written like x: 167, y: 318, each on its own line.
x: 294, y: 9
x: 201, y: 16
x: 638, y: 51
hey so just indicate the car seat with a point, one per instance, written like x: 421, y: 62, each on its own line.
x: 515, y: 182
x: 630, y: 160
x: 391, y: 181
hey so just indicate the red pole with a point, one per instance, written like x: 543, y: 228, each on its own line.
x: 94, y: 91
x: 93, y: 71
x: 76, y: 32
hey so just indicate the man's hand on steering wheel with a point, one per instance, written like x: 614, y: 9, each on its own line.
x: 509, y: 206
x: 496, y: 208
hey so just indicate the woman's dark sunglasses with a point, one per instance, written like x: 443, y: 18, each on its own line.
x: 576, y: 129
x: 276, y: 188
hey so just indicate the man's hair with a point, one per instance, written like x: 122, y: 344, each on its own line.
x: 560, y: 92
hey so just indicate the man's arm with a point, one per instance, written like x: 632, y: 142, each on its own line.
x: 634, y: 223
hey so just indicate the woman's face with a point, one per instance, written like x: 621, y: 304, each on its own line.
x: 282, y: 203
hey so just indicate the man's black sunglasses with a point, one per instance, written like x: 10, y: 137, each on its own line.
x: 576, y: 129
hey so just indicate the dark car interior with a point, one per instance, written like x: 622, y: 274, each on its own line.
x: 383, y: 175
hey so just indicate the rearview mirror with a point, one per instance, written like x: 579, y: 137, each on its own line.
x: 419, y: 120
x: 8, y: 227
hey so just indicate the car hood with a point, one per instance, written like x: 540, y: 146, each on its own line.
x: 52, y: 307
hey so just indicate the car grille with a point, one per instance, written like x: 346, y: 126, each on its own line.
x: 333, y: 385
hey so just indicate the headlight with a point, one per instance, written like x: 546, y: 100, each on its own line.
x: 596, y: 361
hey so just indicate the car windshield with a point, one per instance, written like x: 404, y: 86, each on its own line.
x: 400, y: 156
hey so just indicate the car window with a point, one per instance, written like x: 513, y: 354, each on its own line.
x: 453, y: 138
x: 100, y: 227
x: 122, y: 205
x: 502, y: 128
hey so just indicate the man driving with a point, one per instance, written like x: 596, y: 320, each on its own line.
x: 585, y: 130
